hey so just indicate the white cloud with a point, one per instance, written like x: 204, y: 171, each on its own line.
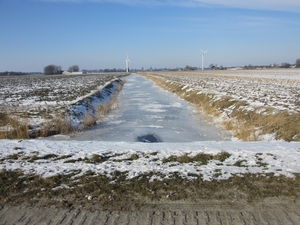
x: 256, y: 4
x: 280, y: 5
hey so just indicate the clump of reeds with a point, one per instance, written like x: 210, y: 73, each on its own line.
x: 63, y: 124
x: 59, y: 124
x: 13, y: 128
x: 18, y: 128
x: 119, y: 87
x: 102, y: 110
x: 89, y: 120
x: 105, y: 108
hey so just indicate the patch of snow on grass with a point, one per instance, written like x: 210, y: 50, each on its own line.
x: 280, y: 158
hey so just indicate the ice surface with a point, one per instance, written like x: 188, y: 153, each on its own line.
x: 145, y: 109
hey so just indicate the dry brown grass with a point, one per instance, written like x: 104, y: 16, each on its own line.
x: 201, y: 157
x: 285, y: 125
x: 65, y: 191
x: 119, y: 87
x: 18, y: 128
x: 63, y: 124
x: 245, y: 125
x: 46, y: 129
x: 57, y: 125
x: 104, y: 109
x: 13, y: 128
x: 89, y: 120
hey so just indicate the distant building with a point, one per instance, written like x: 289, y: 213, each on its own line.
x: 66, y: 72
x: 234, y: 68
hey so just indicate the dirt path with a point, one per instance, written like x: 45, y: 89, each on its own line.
x: 269, y: 212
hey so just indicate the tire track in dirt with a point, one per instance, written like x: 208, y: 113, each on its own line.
x: 189, y: 216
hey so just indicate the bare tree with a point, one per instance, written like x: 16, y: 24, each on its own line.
x: 50, y: 69
x: 74, y: 68
x: 59, y: 70
x: 298, y: 63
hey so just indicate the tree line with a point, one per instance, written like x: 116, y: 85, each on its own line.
x: 54, y: 69
x: 14, y: 73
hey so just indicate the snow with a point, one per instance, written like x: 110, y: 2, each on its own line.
x: 280, y: 158
x: 39, y: 93
x: 277, y: 89
x: 88, y: 106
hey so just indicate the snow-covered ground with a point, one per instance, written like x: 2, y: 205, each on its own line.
x: 277, y: 88
x: 49, y: 158
x: 39, y: 96
x: 280, y: 91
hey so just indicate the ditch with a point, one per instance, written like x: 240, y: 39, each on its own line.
x: 146, y: 113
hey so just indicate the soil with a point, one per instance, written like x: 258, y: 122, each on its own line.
x: 30, y: 199
x: 269, y: 211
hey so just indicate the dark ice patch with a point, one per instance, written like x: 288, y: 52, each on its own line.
x: 149, y: 138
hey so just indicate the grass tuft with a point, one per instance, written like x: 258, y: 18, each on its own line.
x: 49, y: 156
x: 134, y: 157
x: 97, y: 159
x: 89, y: 120
x: 222, y: 156
x: 201, y: 157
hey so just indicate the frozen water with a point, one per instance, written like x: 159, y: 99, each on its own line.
x: 147, y: 113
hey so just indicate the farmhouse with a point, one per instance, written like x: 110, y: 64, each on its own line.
x: 66, y: 72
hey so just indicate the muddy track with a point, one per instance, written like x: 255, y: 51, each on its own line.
x: 267, y: 213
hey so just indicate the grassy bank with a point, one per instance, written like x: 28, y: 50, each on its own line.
x: 92, y: 189
x: 244, y: 124
x: 17, y: 126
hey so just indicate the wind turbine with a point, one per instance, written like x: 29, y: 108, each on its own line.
x: 203, y: 52
x: 127, y: 61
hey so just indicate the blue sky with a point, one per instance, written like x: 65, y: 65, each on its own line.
x: 98, y: 34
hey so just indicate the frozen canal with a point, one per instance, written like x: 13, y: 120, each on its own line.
x: 146, y: 113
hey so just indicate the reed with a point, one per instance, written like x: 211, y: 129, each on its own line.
x: 89, y: 120
x: 13, y: 128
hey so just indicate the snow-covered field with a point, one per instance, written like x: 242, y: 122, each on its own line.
x: 49, y: 158
x: 278, y: 88
x: 37, y: 97
x: 275, y: 88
